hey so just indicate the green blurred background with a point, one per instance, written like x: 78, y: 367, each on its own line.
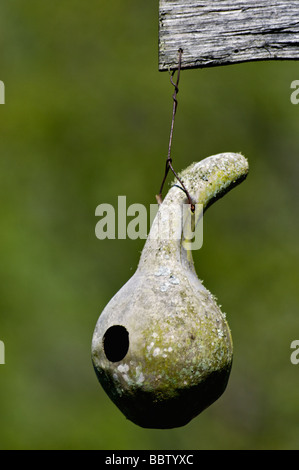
x: 87, y: 118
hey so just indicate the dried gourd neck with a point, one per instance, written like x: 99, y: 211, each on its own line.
x: 174, y: 225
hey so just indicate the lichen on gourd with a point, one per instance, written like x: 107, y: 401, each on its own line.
x: 162, y: 348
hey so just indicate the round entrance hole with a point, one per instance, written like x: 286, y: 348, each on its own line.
x: 116, y: 343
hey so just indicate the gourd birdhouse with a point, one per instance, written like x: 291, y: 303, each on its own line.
x: 162, y: 348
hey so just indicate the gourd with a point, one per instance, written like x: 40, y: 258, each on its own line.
x: 162, y: 348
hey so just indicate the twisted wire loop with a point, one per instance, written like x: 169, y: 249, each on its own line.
x: 169, y: 165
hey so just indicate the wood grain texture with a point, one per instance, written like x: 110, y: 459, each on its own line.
x: 221, y: 32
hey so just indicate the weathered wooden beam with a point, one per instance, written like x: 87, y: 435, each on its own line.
x: 220, y: 32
